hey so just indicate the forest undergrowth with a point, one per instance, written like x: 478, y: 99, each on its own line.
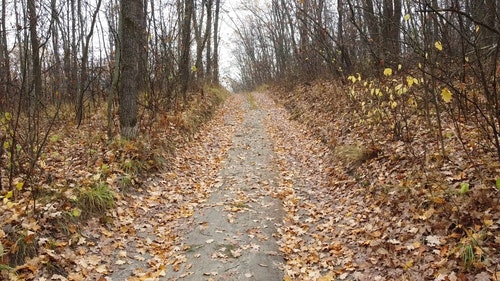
x: 86, y: 191
x: 396, y: 201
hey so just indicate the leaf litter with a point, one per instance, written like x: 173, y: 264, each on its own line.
x: 374, y: 214
x: 232, y: 235
x: 380, y: 218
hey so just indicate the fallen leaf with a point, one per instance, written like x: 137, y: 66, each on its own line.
x: 101, y: 269
x: 433, y: 240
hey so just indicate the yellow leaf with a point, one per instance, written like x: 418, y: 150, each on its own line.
x: 19, y: 185
x: 446, y: 95
x: 407, y: 17
x: 394, y: 104
x: 477, y: 28
x: 408, y: 264
x: 9, y: 194
x: 400, y: 89
x: 76, y: 212
x: 438, y: 45
x: 411, y: 80
x: 412, y: 102
x: 6, y: 145
x: 388, y: 71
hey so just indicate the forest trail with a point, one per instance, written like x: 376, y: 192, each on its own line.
x: 214, y: 215
x: 232, y: 236
x: 257, y: 195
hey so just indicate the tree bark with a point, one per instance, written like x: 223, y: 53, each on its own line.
x: 131, y: 30
x: 202, y: 37
x: 84, y: 68
x: 208, y: 34
x: 215, y: 76
x: 56, y: 73
x: 5, y: 78
x: 184, y: 65
x: 35, y: 51
x: 346, y: 60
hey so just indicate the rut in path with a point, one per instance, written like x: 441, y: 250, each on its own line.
x: 233, y: 233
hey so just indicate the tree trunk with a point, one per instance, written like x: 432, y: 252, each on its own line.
x: 131, y: 30
x: 73, y: 56
x: 390, y: 31
x: 215, y: 76
x: 200, y: 41
x: 56, y: 73
x: 5, y: 79
x: 346, y: 60
x: 84, y: 68
x: 184, y: 65
x: 373, y: 27
x: 35, y: 52
x: 208, y: 34
x: 35, y: 93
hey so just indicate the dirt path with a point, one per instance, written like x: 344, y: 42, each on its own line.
x: 238, y: 202
x: 233, y: 232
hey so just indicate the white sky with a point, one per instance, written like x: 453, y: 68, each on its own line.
x: 228, y: 66
x: 232, y: 10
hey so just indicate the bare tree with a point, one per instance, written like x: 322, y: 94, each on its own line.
x: 215, y: 75
x: 84, y: 65
x: 5, y: 76
x: 185, y: 49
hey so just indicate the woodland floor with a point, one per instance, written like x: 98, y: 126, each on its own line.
x: 255, y: 196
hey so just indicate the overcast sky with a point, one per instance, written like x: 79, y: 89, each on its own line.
x: 227, y: 35
x: 232, y: 10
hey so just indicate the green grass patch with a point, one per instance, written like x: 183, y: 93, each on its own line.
x: 94, y: 201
